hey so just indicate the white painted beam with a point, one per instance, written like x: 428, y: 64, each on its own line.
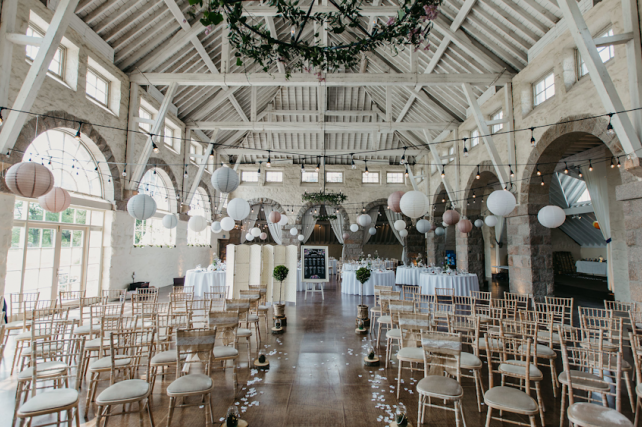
x: 614, y: 39
x: 510, y: 122
x: 24, y: 40
x: 584, y: 209
x: 310, y: 127
x: 306, y: 79
x: 437, y: 158
x: 631, y: 24
x: 7, y: 26
x: 157, y: 129
x: 201, y: 169
x: 484, y: 131
x: 462, y: 14
x: 37, y: 73
x: 316, y: 152
x: 253, y: 102
x: 269, y: 20
x: 176, y: 43
x: 600, y: 77
x: 338, y: 113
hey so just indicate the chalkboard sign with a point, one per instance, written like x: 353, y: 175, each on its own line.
x: 314, y: 264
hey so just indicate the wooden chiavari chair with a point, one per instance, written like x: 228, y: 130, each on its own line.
x: 567, y: 309
x: 70, y: 299
x: 394, y: 334
x: 242, y: 305
x: 41, y: 312
x: 508, y: 307
x: 262, y: 309
x: 177, y: 301
x: 16, y: 321
x: 444, y: 295
x: 522, y: 301
x: 408, y: 292
x: 384, y: 319
x: 226, y: 324
x: 411, y: 352
x: 467, y: 326
x: 543, y: 343
x: 424, y: 303
x: 636, y: 347
x: 253, y: 318
x: 441, y: 350
x: 375, y: 311
x: 199, y: 310
x: 111, y: 295
x: 168, y: 324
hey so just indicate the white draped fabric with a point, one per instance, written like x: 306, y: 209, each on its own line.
x: 392, y: 217
x: 249, y: 222
x: 350, y: 285
x: 592, y: 267
x: 597, y: 186
x: 337, y: 227
x: 275, y: 229
x: 462, y: 283
x: 308, y: 222
x: 202, y: 280
x: 374, y: 213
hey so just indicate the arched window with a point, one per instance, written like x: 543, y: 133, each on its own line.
x: 156, y: 184
x: 200, y: 205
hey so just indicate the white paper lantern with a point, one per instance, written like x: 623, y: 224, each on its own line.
x: 439, y: 231
x: 479, y: 223
x: 216, y: 227
x: 372, y: 231
x: 491, y: 220
x: 29, y: 179
x: 263, y: 236
x: 227, y: 223
x: 225, y: 180
x: 141, y: 207
x: 423, y: 226
x: 444, y: 224
x: 57, y: 200
x: 400, y: 224
x: 249, y: 237
x: 501, y: 202
x: 354, y: 228
x: 403, y: 233
x: 294, y: 231
x: 170, y: 221
x: 414, y: 204
x: 238, y: 209
x: 274, y: 217
x: 284, y: 220
x: 300, y: 237
x: 197, y: 223
x: 364, y: 220
x: 551, y: 216
x: 346, y: 236
x: 256, y: 232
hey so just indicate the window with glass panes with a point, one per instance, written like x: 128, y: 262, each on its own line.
x: 273, y: 176
x: 544, y: 89
x: 309, y: 177
x: 474, y: 138
x: 97, y: 87
x: 196, y: 148
x: 394, y: 177
x: 151, y: 231
x: 145, y: 114
x: 249, y: 176
x: 497, y: 116
x: 200, y: 206
x: 57, y: 64
x: 606, y: 53
x: 334, y: 177
x: 172, y: 139
x: 370, y: 177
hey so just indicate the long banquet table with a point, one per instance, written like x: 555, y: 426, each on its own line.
x: 591, y: 267
x: 203, y: 279
x: 350, y: 284
x: 462, y: 283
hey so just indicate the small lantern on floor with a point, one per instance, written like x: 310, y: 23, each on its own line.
x: 361, y: 326
x: 262, y: 361
x: 401, y: 416
x: 371, y: 358
x: 233, y: 418
x: 278, y: 326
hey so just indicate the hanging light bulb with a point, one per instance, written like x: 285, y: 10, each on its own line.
x: 579, y: 172
x: 269, y: 163
x: 478, y: 175
x: 543, y: 181
x: 590, y: 166
x: 212, y: 153
x: 403, y: 157
x: 465, y: 149
x: 125, y: 171
x: 443, y: 200
x: 532, y: 137
x: 78, y: 132
x: 406, y: 171
x: 366, y: 162
x: 318, y: 165
x: 185, y: 174
x: 1, y: 119
x: 609, y: 127
x: 538, y: 171
x: 612, y: 164
x: 566, y: 168
x: 512, y: 174
x: 443, y: 172
x: 292, y: 32
x: 474, y: 194
x: 154, y: 147
x: 618, y: 162
x: 353, y: 165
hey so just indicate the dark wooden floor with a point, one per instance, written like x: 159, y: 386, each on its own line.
x: 317, y: 378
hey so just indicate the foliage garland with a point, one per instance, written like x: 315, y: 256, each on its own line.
x: 324, y: 217
x: 252, y: 39
x: 322, y: 197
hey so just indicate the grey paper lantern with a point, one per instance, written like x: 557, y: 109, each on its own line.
x: 170, y: 221
x: 294, y: 231
x: 141, y: 207
x: 225, y: 180
x: 400, y: 224
x: 364, y: 220
x: 197, y: 223
x: 354, y: 228
x: 414, y: 204
x: 57, y: 200
x: 403, y: 233
x: 439, y: 231
x: 372, y: 231
x: 216, y: 227
x: 227, y: 223
x: 300, y: 237
x: 238, y: 209
x: 423, y: 226
x: 479, y: 223
x: 29, y: 179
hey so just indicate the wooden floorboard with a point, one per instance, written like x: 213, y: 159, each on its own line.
x: 316, y: 378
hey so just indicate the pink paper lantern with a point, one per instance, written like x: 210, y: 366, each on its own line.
x: 451, y: 217
x: 434, y: 227
x: 274, y: 217
x: 29, y: 179
x: 57, y: 200
x: 465, y: 226
x: 393, y: 201
x: 346, y: 236
x: 263, y: 236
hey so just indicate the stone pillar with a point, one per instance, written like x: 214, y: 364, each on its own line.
x: 530, y: 252
x: 631, y: 197
x: 7, y: 202
x: 353, y: 246
x: 470, y: 251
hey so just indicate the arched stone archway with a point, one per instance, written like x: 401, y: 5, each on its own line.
x: 350, y: 245
x: 60, y: 119
x: 157, y: 163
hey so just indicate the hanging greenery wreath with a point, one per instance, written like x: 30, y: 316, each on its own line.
x: 324, y: 217
x: 322, y: 197
x: 252, y: 39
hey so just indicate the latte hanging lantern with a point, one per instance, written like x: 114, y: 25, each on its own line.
x: 551, y: 216
x: 197, y: 223
x: 465, y: 226
x: 263, y: 236
x: 451, y: 217
x: 29, y: 179
x: 57, y: 200
x: 491, y: 220
x: 414, y: 204
x: 225, y: 180
x: 346, y: 236
x: 501, y: 202
x: 227, y: 223
x: 141, y: 207
x: 274, y: 217
x: 400, y: 224
x: 423, y: 226
x: 393, y: 201
x: 238, y: 209
x: 170, y: 221
x: 216, y: 227
x: 364, y: 220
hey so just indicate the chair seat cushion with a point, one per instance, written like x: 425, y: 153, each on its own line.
x: 394, y: 334
x: 384, y: 319
x: 105, y: 363
x: 95, y: 344
x: 546, y: 336
x: 85, y: 329
x: 190, y: 384
x: 511, y: 399
x: 253, y: 318
x: 592, y: 415
x: 495, y: 343
x: 263, y: 307
x: 242, y: 332
x: 26, y: 336
x: 469, y: 361
x: 165, y: 357
x: 50, y: 400
x: 45, y: 369
x: 440, y: 386
x: 543, y: 351
x: 70, y: 303
x: 16, y: 324
x: 124, y: 390
x: 225, y: 351
x: 584, y: 381
x: 595, y: 345
x: 518, y: 367
x: 414, y: 353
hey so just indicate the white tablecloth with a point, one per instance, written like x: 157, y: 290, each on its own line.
x: 463, y: 283
x: 202, y: 280
x: 350, y: 284
x: 332, y: 266
x: 409, y: 275
x: 591, y: 267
